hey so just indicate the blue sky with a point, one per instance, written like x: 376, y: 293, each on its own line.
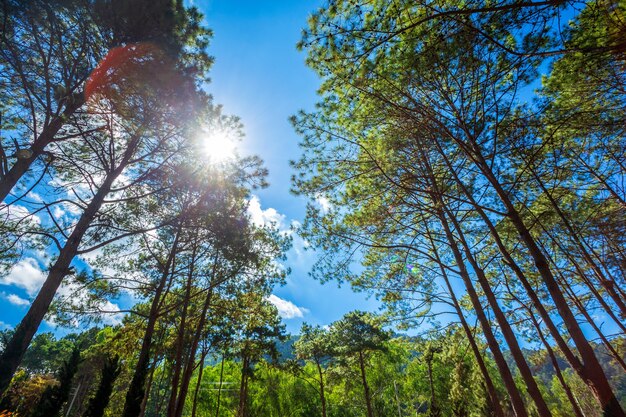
x: 260, y: 76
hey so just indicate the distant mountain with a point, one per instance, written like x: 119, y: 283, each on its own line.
x: 285, y: 349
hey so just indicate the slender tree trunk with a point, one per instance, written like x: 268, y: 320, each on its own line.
x: 366, y: 388
x: 433, y: 409
x: 160, y: 399
x: 517, y: 402
x: 594, y: 374
x: 491, y: 389
x: 136, y: 389
x: 590, y: 369
x: 322, y: 396
x: 180, y: 341
x: 219, y: 388
x: 557, y: 369
x: 195, y: 393
x: 598, y: 176
x: 21, y: 338
x: 614, y: 353
x: 395, y: 391
x: 592, y: 289
x: 555, y: 332
x: 606, y: 282
x: 146, y: 394
x: 241, y: 409
x: 189, y: 367
x: 507, y: 331
x: 188, y: 371
x: 22, y: 165
x: 516, y: 398
x: 505, y: 327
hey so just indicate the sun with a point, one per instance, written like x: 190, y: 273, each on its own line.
x: 219, y: 146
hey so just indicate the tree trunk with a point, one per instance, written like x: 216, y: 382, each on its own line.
x: 557, y: 369
x: 507, y: 331
x: 516, y: 398
x: 136, y: 390
x: 590, y: 369
x: 395, y: 391
x: 614, y: 353
x: 149, y: 382
x: 195, y: 393
x: 433, y: 409
x: 219, y: 388
x: 160, y: 399
x: 180, y: 341
x: 21, y: 338
x: 322, y: 396
x: 366, y: 388
x: 241, y: 409
x: 606, y: 282
x: 189, y: 367
x: 594, y: 374
x: 188, y: 371
x: 22, y: 165
x: 579, y: 269
x: 505, y: 327
x: 569, y: 355
x: 491, y: 389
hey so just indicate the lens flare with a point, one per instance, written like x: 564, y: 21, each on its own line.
x: 219, y: 146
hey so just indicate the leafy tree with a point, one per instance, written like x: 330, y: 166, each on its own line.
x: 46, y: 354
x: 48, y: 50
x: 358, y: 334
x: 99, y: 402
x: 54, y: 397
x: 127, y: 145
x: 258, y: 330
x: 314, y: 344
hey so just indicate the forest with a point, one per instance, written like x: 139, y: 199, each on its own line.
x: 464, y: 165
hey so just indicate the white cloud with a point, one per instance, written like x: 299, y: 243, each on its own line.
x: 34, y: 197
x: 75, y: 299
x: 17, y: 213
x: 298, y: 254
x: 269, y: 217
x: 323, y: 203
x: 265, y: 217
x: 15, y: 299
x: 58, y: 212
x: 287, y: 309
x: 26, y: 274
x: 4, y: 326
x: 110, y: 316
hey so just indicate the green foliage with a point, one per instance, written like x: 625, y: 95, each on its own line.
x: 53, y: 398
x: 398, y: 375
x: 358, y: 332
x: 46, y: 354
x: 440, y: 164
x: 314, y: 343
x: 98, y: 403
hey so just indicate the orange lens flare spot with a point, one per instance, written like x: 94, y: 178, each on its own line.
x: 120, y: 66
